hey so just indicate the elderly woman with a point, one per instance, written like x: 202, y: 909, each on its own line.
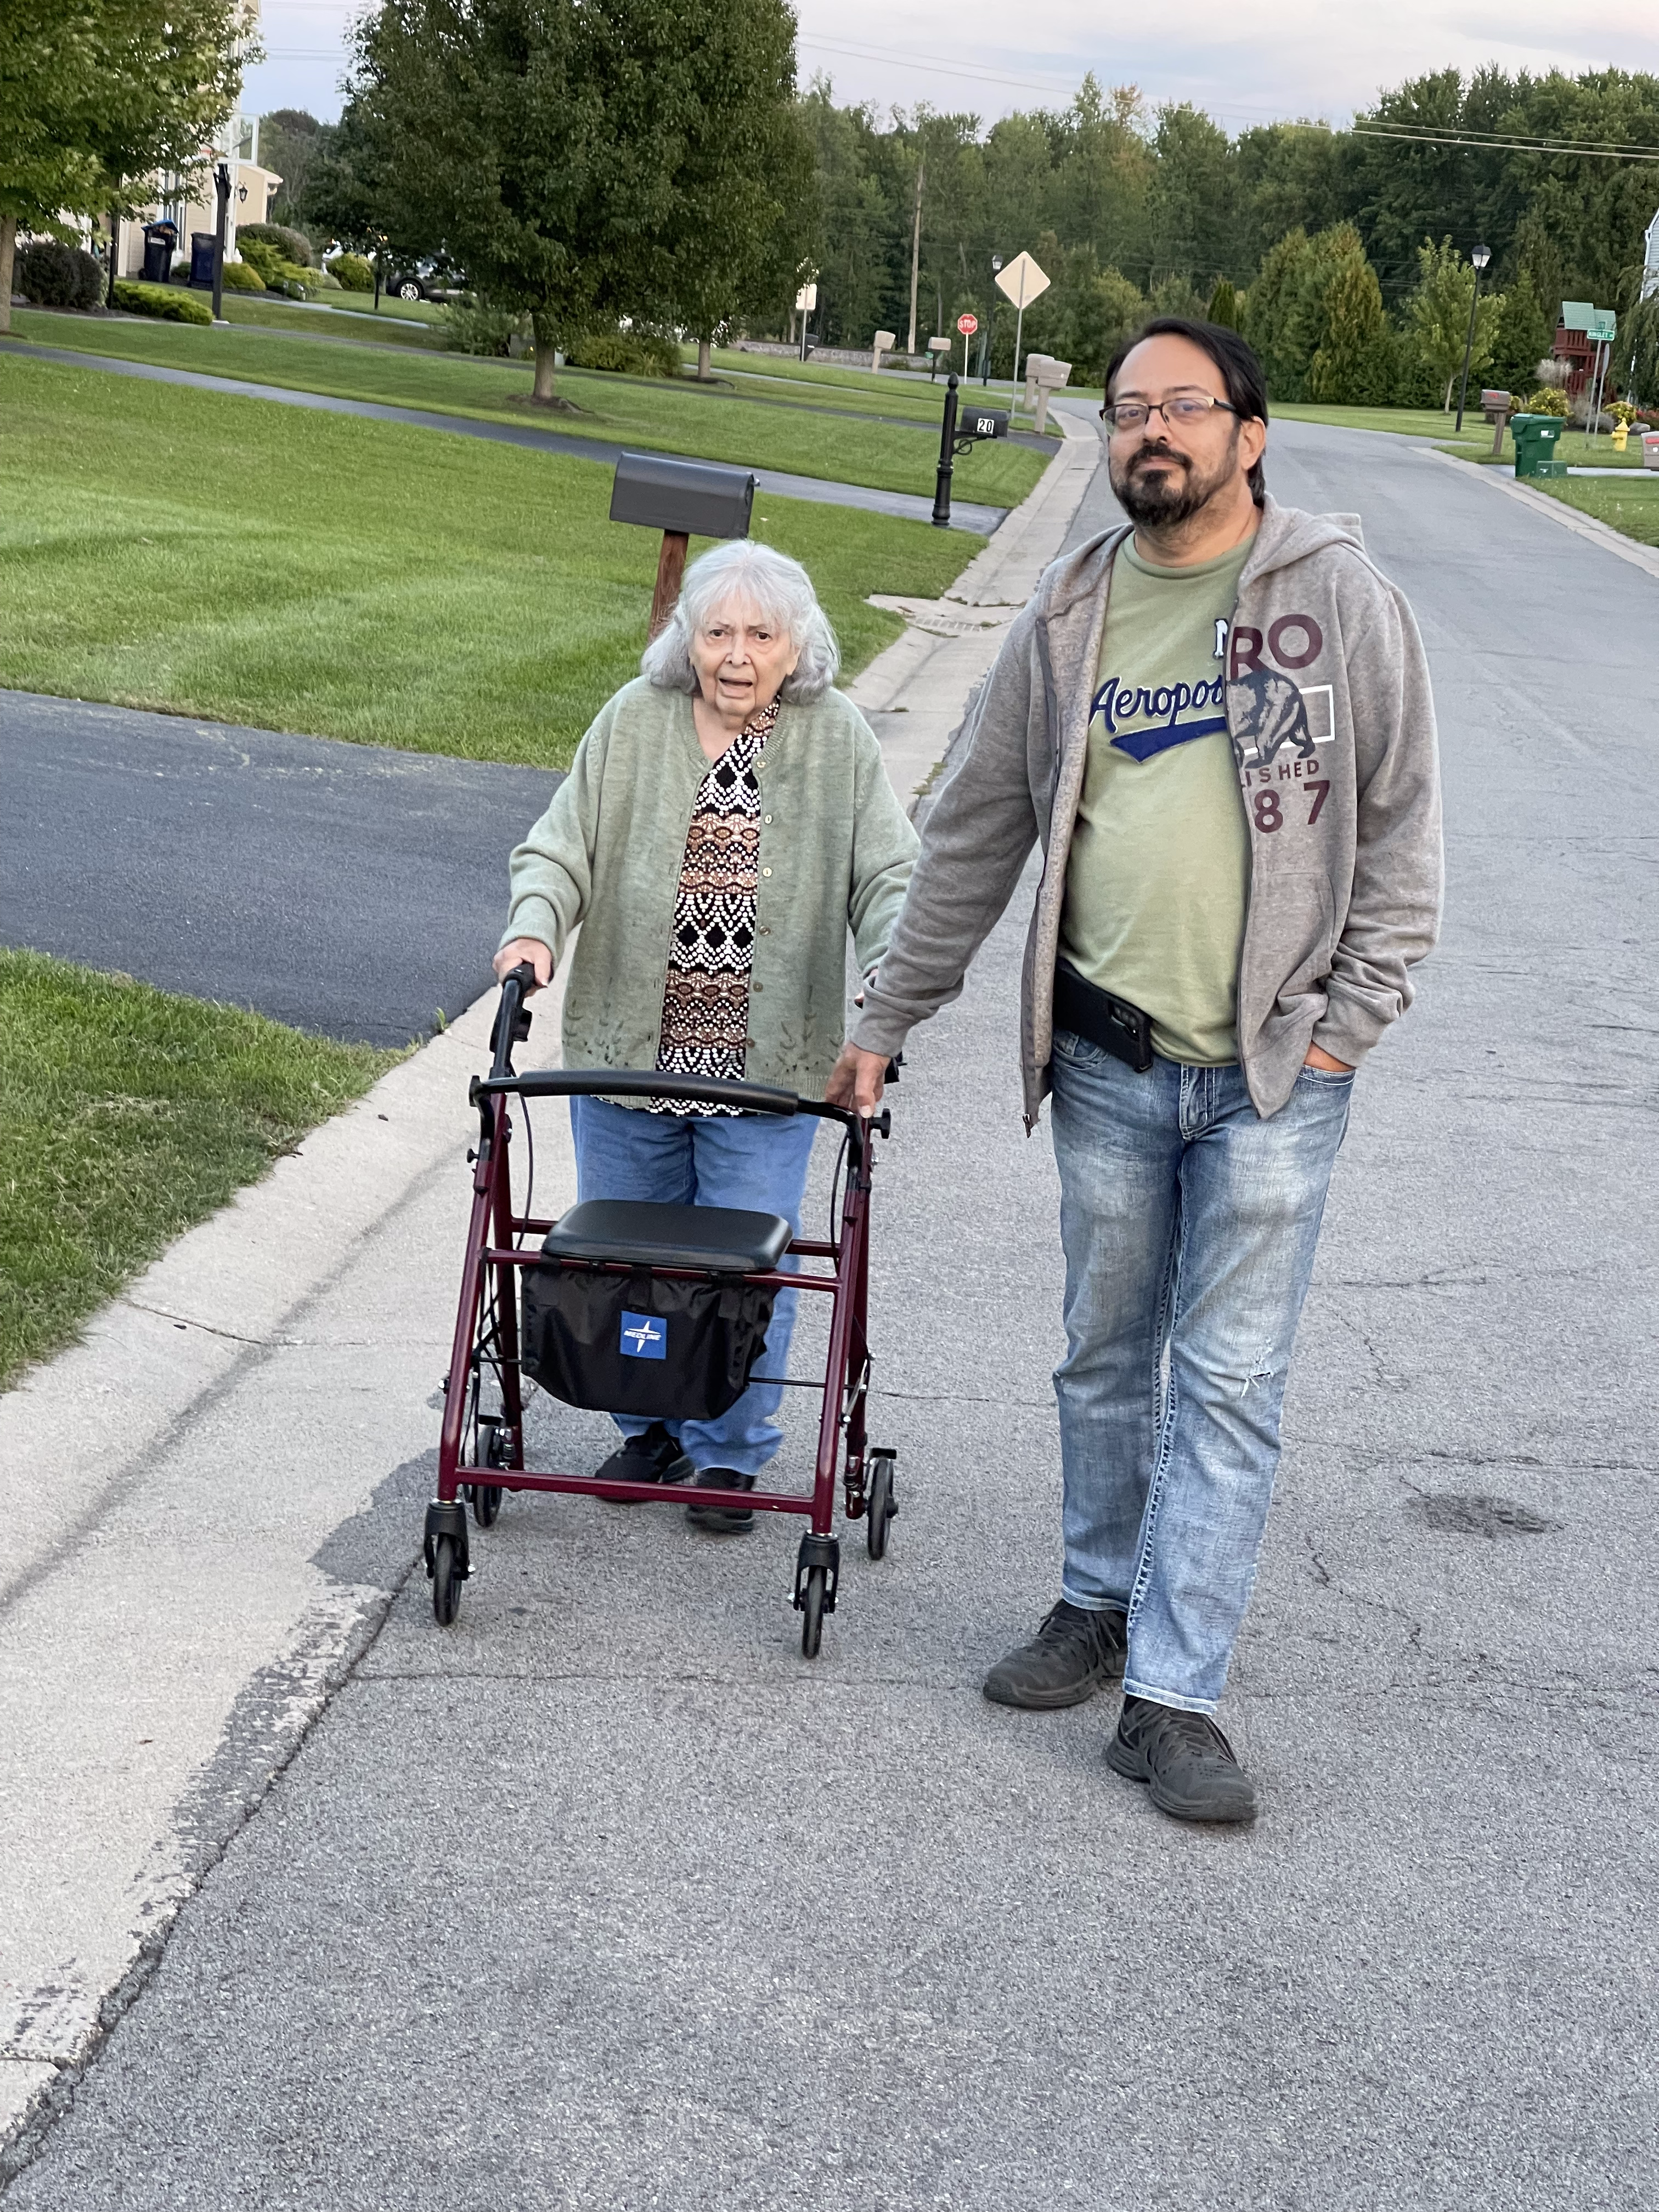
x: 726, y: 822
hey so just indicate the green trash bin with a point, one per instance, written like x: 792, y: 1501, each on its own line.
x: 1535, y: 437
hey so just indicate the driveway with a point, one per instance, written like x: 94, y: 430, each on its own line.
x: 346, y: 888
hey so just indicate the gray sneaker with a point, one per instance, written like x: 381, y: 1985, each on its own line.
x: 1188, y: 1764
x: 1072, y: 1654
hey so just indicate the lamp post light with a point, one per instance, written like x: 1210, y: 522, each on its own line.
x: 1479, y: 258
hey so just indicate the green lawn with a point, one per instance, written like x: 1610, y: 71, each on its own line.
x: 1631, y: 508
x: 125, y: 1116
x: 247, y: 311
x: 714, y: 424
x: 163, y: 547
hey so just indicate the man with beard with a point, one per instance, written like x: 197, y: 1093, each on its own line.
x: 1218, y: 722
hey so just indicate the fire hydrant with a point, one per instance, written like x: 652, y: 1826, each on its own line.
x: 1621, y: 434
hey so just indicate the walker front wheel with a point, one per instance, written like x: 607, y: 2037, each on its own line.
x: 811, y: 1611
x: 882, y: 1505
x: 446, y: 1582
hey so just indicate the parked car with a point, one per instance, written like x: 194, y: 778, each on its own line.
x: 424, y: 280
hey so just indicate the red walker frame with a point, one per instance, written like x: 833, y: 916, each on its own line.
x: 495, y: 1246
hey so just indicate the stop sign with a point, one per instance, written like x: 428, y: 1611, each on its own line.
x: 967, y: 325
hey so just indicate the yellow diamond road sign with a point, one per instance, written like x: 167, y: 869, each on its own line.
x: 1022, y: 281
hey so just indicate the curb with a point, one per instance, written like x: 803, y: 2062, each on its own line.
x: 1645, y: 557
x: 926, y: 676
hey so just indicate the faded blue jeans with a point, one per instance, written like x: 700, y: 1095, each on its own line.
x: 1189, y: 1225
x: 757, y: 1162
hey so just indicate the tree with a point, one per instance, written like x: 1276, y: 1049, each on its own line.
x: 168, y: 74
x: 291, y: 140
x: 48, y: 75
x: 740, y: 161
x: 545, y: 145
x: 1438, y: 314
x: 1523, y: 335
x: 98, y: 95
x: 1351, y: 364
x: 1226, y: 306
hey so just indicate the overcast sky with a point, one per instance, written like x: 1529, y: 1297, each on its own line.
x: 1246, y: 63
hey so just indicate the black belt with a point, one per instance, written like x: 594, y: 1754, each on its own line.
x: 1099, y: 1018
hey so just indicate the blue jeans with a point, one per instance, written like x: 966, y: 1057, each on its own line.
x: 1189, y: 1225
x: 754, y: 1161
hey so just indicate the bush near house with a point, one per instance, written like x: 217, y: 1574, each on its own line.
x: 53, y: 275
x: 478, y: 327
x: 1550, y: 400
x: 163, y: 299
x: 352, y: 272
x: 242, y: 276
x: 628, y: 353
x: 276, y: 273
x: 291, y: 245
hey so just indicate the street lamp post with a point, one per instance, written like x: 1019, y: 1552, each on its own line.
x: 1479, y: 258
x: 990, y: 322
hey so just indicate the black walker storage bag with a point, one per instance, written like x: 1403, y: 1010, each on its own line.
x: 638, y: 1343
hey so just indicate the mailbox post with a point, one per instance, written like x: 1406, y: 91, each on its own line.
x: 955, y: 437
x: 683, y: 499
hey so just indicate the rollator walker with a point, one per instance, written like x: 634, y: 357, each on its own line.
x: 658, y: 1310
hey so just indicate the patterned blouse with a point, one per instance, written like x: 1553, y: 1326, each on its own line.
x: 705, y: 1001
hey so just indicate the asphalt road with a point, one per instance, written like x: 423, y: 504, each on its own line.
x: 606, y: 1898
x: 825, y: 491
x: 349, y: 889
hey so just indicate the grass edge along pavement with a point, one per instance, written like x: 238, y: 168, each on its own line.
x: 201, y: 553
x: 127, y: 1115
x: 655, y: 413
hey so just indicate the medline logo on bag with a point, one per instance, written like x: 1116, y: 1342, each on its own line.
x: 644, y: 1337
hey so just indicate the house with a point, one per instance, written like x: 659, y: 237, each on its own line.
x: 195, y: 208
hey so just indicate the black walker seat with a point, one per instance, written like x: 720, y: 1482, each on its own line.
x: 622, y: 1301
x: 629, y: 1232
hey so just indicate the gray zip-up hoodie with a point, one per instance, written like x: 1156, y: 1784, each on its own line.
x: 1332, y: 724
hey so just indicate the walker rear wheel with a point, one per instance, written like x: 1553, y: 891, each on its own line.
x: 881, y: 1507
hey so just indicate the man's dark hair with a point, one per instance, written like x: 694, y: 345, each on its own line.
x: 1241, y: 372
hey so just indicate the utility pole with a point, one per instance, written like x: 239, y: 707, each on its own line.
x: 915, y: 254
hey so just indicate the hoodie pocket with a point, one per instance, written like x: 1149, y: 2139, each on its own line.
x: 1292, y: 930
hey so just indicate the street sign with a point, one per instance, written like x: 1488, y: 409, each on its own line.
x: 967, y: 325
x: 807, y: 298
x: 1022, y: 281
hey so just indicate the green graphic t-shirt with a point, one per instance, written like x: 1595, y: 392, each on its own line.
x: 1159, y: 871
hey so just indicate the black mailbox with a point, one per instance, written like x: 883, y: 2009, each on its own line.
x: 974, y: 422
x: 689, y: 498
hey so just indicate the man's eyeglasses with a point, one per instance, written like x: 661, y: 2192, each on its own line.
x: 1184, y: 412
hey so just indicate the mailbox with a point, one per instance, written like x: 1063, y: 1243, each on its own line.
x: 692, y: 499
x: 683, y: 499
x: 974, y: 422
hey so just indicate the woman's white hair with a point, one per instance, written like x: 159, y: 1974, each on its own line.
x: 772, y: 586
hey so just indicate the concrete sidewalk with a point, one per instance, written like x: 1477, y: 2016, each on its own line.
x: 183, y: 1591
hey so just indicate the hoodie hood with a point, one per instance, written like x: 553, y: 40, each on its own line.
x: 1286, y: 535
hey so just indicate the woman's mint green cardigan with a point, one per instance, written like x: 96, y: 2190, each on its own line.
x: 836, y: 853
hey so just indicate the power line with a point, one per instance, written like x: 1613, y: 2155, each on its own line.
x: 1483, y: 142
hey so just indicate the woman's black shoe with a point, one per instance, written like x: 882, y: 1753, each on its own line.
x: 652, y: 1457
x: 726, y: 1519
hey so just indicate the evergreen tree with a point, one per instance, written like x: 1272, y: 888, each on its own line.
x: 1438, y: 315
x: 1226, y: 306
x: 1523, y: 335
x: 1351, y: 364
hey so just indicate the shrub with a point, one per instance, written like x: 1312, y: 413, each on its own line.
x: 291, y: 245
x: 352, y: 273
x: 474, y: 325
x: 1622, y: 411
x: 275, y: 271
x: 242, y: 276
x: 53, y: 275
x: 1549, y: 400
x: 628, y: 353
x: 173, y: 306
